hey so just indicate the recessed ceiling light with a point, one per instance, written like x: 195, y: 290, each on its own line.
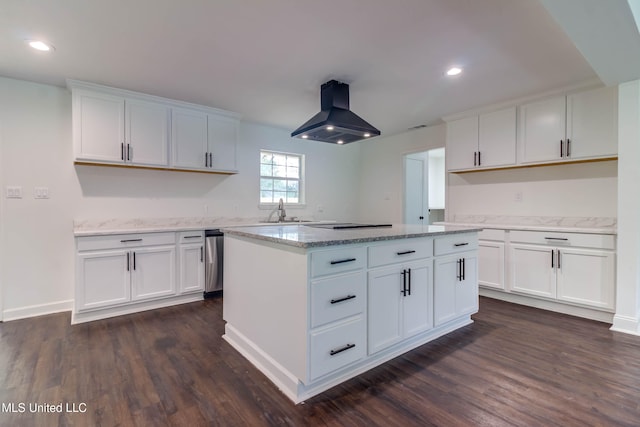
x: 40, y: 45
x: 454, y: 71
x: 305, y: 136
x: 367, y: 135
x: 340, y: 141
x: 329, y: 127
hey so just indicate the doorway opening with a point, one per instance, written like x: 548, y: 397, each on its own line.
x: 424, y: 187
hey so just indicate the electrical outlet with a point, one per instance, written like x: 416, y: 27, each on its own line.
x: 320, y: 209
x: 518, y: 196
x: 40, y: 192
x: 14, y: 192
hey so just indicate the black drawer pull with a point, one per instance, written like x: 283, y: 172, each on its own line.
x: 556, y: 238
x: 130, y: 240
x: 460, y: 244
x: 348, y: 297
x: 341, y: 261
x: 341, y: 349
x: 405, y: 252
x: 192, y: 237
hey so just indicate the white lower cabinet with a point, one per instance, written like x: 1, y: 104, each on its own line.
x: 153, y: 272
x: 533, y: 270
x: 455, y: 286
x: 400, y: 303
x: 491, y: 259
x: 191, y: 262
x: 103, y: 279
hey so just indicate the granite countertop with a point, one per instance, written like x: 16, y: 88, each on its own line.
x: 150, y: 225
x: 591, y: 225
x: 307, y: 237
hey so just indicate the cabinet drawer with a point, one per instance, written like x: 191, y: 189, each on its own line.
x: 116, y: 241
x: 553, y: 238
x: 191, y: 236
x: 337, y: 346
x: 337, y: 261
x: 491, y: 234
x: 337, y: 298
x: 455, y: 243
x: 405, y: 250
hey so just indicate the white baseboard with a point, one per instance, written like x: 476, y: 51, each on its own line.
x: 36, y: 310
x: 626, y: 324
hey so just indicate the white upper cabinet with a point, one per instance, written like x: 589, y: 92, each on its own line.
x: 146, y: 133
x: 98, y: 127
x: 482, y: 141
x: 222, y: 137
x: 115, y: 126
x: 541, y: 131
x: 189, y: 137
x: 579, y: 126
x: 592, y: 124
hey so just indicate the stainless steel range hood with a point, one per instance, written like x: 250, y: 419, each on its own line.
x: 335, y: 123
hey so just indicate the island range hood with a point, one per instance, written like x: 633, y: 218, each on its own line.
x: 335, y: 123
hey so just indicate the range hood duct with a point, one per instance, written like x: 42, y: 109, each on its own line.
x: 335, y: 123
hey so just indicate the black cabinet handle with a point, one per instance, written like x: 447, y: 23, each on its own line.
x: 128, y: 267
x: 464, y: 269
x: 420, y: 217
x: 347, y: 298
x: 459, y: 269
x: 201, y: 254
x: 557, y: 238
x: 128, y: 151
x: 558, y: 252
x: 192, y: 237
x: 341, y: 261
x: 479, y: 158
x: 561, y: 147
x: 130, y: 240
x: 460, y: 244
x: 404, y: 283
x: 134, y: 260
x: 341, y: 349
x: 406, y: 252
x: 552, y: 256
x: 122, y: 151
x: 568, y: 147
x: 206, y: 160
x: 475, y: 158
x: 210, y: 160
x: 409, y: 281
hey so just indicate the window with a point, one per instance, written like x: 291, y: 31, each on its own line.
x: 281, y: 177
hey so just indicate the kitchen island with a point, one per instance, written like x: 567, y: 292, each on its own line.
x: 312, y: 307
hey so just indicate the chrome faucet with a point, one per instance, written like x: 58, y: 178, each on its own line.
x: 281, y: 212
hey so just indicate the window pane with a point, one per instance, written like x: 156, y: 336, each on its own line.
x: 292, y: 197
x: 293, y: 161
x: 266, y: 170
x: 266, y: 197
x: 277, y: 195
x: 280, y: 159
x: 280, y: 184
x: 293, y: 172
x: 266, y: 157
x: 266, y: 184
x: 280, y: 171
x: 292, y: 185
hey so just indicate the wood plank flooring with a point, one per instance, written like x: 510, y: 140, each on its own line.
x: 515, y: 366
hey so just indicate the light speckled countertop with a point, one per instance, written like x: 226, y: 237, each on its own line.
x: 306, y: 237
x: 591, y: 225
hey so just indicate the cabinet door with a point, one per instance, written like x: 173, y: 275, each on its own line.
x: 98, y: 122
x: 417, y: 306
x: 153, y: 272
x: 103, y: 279
x: 592, y: 123
x: 445, y: 280
x: 223, y: 136
x: 191, y: 268
x: 467, y: 288
x: 147, y: 133
x: 587, y: 276
x: 497, y: 138
x: 491, y: 264
x: 541, y: 131
x: 189, y: 138
x: 462, y: 143
x: 533, y: 270
x: 384, y: 313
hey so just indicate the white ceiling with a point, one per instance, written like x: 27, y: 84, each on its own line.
x: 267, y: 59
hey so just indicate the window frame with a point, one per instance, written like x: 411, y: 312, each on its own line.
x: 301, y: 180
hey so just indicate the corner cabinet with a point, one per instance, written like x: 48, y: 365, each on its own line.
x: 126, y: 273
x: 118, y: 127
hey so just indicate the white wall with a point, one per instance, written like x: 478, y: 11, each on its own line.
x: 382, y: 173
x: 583, y: 190
x: 36, y: 239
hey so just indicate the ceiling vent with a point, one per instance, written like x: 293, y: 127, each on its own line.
x: 335, y: 123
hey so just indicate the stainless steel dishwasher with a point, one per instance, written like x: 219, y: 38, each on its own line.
x: 214, y: 256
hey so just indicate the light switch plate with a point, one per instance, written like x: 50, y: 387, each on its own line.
x: 40, y: 192
x: 14, y: 192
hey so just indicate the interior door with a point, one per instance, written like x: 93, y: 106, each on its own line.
x: 414, y: 191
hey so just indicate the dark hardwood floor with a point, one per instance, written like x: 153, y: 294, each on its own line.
x: 514, y: 366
